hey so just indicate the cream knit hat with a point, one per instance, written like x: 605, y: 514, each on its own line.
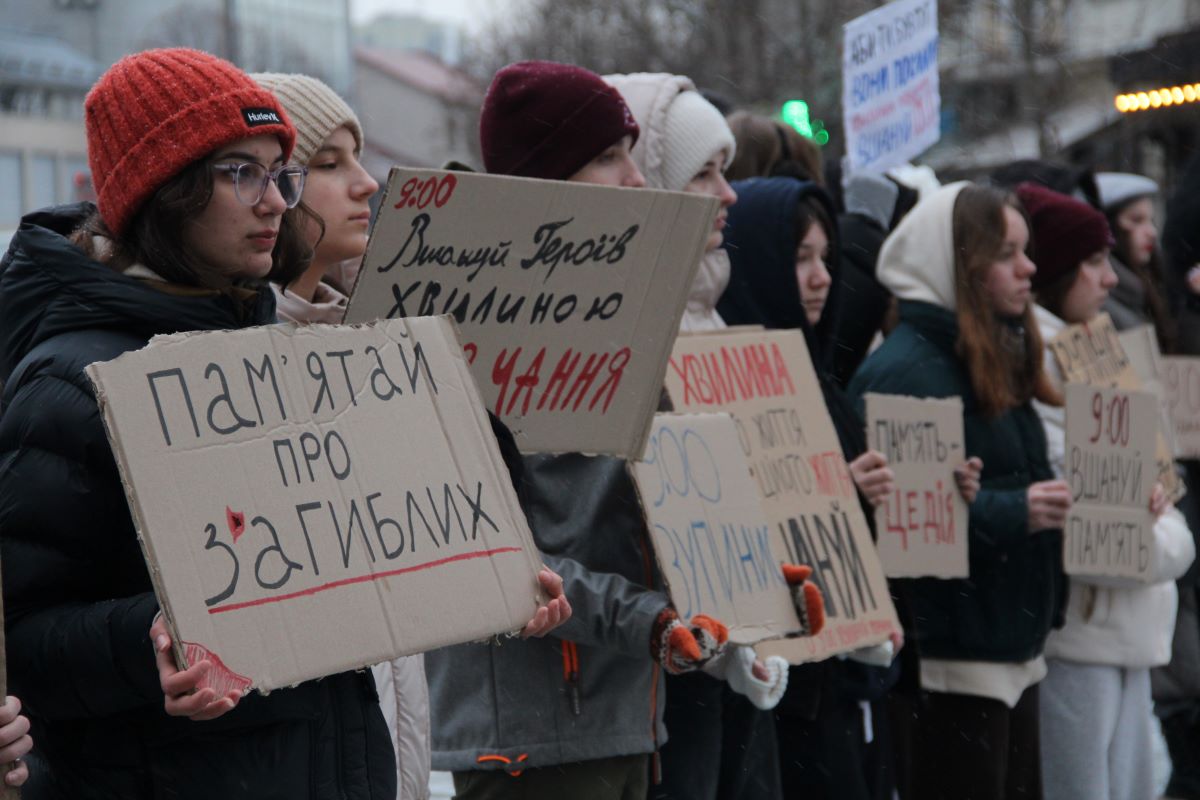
x: 315, y: 109
x: 680, y: 129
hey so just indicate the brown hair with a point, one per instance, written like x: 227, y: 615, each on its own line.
x: 1004, y: 363
x: 1052, y: 296
x: 809, y: 212
x: 154, y: 237
x: 1150, y: 274
x: 767, y: 147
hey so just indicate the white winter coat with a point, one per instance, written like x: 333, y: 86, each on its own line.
x: 1113, y: 621
x: 404, y: 700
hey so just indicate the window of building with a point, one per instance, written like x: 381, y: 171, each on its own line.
x: 42, y: 183
x: 10, y: 189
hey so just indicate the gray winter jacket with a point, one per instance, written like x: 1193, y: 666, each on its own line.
x: 515, y: 704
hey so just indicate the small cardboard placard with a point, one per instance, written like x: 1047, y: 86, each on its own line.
x: 1092, y: 353
x: 568, y: 295
x: 717, y: 551
x: 922, y: 525
x: 1181, y: 386
x: 316, y: 499
x: 765, y: 380
x: 1111, y: 469
x: 1141, y: 347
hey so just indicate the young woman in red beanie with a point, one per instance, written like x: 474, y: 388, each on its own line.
x: 189, y: 159
x: 958, y: 267
x: 1095, y: 700
x: 579, y: 714
x: 336, y: 216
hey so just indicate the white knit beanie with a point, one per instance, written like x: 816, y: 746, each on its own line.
x: 316, y: 111
x: 680, y: 130
x: 696, y: 132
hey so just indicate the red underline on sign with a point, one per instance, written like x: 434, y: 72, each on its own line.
x: 374, y: 576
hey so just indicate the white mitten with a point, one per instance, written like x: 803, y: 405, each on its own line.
x: 736, y: 668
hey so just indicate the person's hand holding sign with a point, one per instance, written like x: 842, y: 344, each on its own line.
x: 966, y: 476
x: 872, y: 476
x: 15, y: 741
x: 1049, y: 502
x: 555, y: 612
x: 183, y: 690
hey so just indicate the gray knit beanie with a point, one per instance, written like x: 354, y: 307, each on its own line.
x: 315, y: 109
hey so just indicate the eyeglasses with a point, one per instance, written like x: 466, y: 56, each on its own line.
x: 250, y: 181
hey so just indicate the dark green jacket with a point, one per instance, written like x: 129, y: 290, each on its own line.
x: 1016, y: 590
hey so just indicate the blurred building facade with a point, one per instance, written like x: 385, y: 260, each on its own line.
x: 43, y: 153
x: 1037, y: 79
x: 416, y: 110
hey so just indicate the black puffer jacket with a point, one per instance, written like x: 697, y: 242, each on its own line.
x: 78, y: 599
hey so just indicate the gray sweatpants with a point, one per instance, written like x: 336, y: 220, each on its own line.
x: 1095, y: 731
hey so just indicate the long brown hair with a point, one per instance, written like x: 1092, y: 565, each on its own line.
x: 767, y: 147
x: 1004, y: 361
x: 154, y: 237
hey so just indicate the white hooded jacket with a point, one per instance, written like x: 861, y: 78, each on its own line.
x: 1111, y: 621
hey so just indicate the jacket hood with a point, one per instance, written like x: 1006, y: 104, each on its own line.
x: 680, y: 130
x: 917, y: 259
x: 48, y: 286
x: 761, y: 240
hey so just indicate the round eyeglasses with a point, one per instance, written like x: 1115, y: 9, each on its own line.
x: 250, y: 181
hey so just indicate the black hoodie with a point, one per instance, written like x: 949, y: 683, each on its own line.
x: 77, y: 595
x: 761, y: 239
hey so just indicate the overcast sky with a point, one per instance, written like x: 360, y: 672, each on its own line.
x: 469, y: 13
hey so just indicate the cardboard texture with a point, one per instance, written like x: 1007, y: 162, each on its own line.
x: 1111, y: 469
x: 765, y: 380
x: 891, y: 98
x: 717, y: 551
x: 1092, y: 354
x: 1181, y: 385
x: 922, y: 525
x: 568, y: 295
x: 6, y: 792
x: 1141, y: 348
x: 316, y: 499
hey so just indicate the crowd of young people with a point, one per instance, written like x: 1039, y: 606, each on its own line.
x: 227, y: 200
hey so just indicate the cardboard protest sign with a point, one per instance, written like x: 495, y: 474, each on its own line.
x: 568, y: 295
x: 765, y: 380
x: 1181, y: 383
x: 1110, y: 467
x: 316, y: 499
x: 1141, y: 348
x: 717, y: 551
x: 891, y: 101
x: 6, y: 792
x: 922, y: 525
x: 1092, y: 354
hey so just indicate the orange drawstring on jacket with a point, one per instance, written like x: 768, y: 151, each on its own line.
x: 570, y: 653
x: 506, y: 761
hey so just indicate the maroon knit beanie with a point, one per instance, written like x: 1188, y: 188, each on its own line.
x: 154, y: 113
x: 546, y: 120
x: 1065, y: 232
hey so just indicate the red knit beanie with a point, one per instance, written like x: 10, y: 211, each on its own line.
x: 546, y: 120
x: 1065, y: 232
x: 154, y: 113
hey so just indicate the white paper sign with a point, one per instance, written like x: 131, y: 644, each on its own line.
x: 890, y: 95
